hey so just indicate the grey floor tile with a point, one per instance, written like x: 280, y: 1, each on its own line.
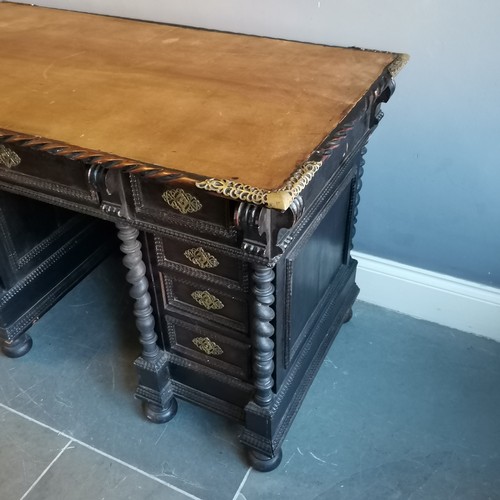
x: 82, y: 474
x: 26, y: 450
x: 400, y: 409
x: 79, y: 378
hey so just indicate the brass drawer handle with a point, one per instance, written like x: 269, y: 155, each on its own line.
x: 181, y: 201
x: 207, y: 346
x: 201, y: 258
x: 207, y: 300
x: 9, y: 158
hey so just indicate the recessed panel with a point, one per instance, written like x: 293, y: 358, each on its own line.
x: 313, y: 267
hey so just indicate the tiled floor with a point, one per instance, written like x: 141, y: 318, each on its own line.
x: 401, y: 409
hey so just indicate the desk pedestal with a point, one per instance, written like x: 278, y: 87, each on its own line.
x: 44, y: 252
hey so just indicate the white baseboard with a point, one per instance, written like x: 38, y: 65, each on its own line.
x: 423, y: 294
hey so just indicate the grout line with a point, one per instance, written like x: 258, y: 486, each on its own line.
x: 46, y: 469
x: 104, y: 454
x: 243, y: 481
x: 136, y: 469
x: 8, y: 408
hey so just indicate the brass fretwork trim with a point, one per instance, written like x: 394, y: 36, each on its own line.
x: 9, y: 158
x: 277, y: 198
x: 397, y: 65
x: 201, y: 258
x: 180, y: 200
x: 207, y: 346
x: 207, y: 300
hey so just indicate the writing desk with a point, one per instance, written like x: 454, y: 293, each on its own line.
x: 237, y: 162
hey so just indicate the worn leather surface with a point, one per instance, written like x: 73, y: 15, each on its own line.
x: 215, y: 104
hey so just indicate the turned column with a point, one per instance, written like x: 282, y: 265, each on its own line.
x: 154, y: 388
x: 262, y: 331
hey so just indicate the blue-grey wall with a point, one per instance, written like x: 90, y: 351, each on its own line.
x: 431, y: 195
x: 431, y: 188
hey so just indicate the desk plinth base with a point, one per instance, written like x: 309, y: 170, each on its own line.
x: 155, y: 389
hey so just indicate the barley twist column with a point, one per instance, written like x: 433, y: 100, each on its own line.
x: 136, y: 276
x: 154, y: 380
x: 262, y: 331
x: 357, y: 188
x: 359, y: 184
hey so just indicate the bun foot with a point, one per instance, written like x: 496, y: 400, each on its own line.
x: 264, y: 463
x: 159, y: 415
x: 17, y: 347
x: 348, y: 316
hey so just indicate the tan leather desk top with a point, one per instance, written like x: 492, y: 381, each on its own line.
x: 215, y: 104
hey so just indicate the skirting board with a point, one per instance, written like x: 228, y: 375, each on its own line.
x: 423, y: 294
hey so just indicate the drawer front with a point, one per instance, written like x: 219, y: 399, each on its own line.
x: 209, y: 348
x: 45, y: 172
x: 183, y: 206
x: 201, y: 257
x: 225, y: 307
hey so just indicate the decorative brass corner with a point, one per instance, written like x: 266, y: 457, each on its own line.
x: 397, y: 65
x: 9, y: 158
x: 201, y: 258
x: 207, y: 300
x: 279, y: 199
x: 301, y: 178
x: 207, y: 346
x: 182, y: 201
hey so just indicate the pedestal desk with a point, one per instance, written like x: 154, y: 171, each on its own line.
x: 236, y: 160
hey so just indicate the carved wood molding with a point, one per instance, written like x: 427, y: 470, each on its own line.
x: 93, y: 157
x: 261, y: 226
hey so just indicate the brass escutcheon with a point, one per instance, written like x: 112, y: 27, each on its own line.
x: 201, y: 258
x: 207, y: 300
x: 9, y: 158
x: 181, y: 201
x: 207, y: 346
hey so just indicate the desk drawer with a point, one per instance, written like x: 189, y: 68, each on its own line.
x: 209, y: 348
x: 45, y: 172
x: 224, y: 307
x: 187, y: 207
x: 200, y: 259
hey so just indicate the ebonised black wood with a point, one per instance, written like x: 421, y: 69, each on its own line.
x: 44, y: 252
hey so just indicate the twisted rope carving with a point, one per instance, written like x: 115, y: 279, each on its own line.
x: 279, y: 198
x: 91, y: 157
x: 262, y: 331
x: 132, y: 260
